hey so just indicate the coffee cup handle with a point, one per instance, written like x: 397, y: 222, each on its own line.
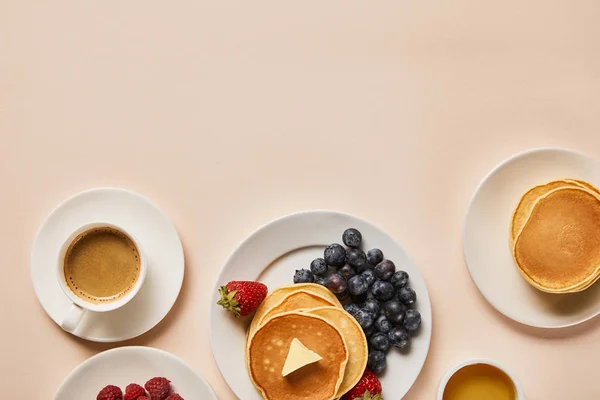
x: 73, y: 318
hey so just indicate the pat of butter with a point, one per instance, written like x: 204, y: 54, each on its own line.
x: 299, y: 356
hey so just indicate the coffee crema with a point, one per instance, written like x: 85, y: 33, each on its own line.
x: 101, y: 265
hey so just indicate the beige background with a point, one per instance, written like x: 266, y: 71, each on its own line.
x: 228, y: 114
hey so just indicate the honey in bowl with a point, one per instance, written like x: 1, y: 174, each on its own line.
x: 478, y: 382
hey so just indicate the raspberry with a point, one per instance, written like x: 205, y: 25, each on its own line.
x: 143, y: 398
x: 134, y: 392
x: 110, y: 392
x: 174, y: 396
x: 158, y: 388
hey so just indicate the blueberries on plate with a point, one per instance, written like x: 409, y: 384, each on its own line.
x: 356, y: 258
x: 412, y: 320
x: 374, y: 256
x: 318, y: 266
x: 376, y: 361
x: 352, y: 237
x: 382, y: 290
x: 372, y: 306
x: 407, y: 295
x: 321, y: 280
x: 399, y: 279
x: 343, y: 296
x: 351, y: 308
x: 303, y: 276
x: 385, y: 269
x: 357, y: 285
x: 358, y: 298
x: 336, y: 283
x: 335, y: 255
x: 380, y: 341
x: 364, y: 318
x: 369, y: 331
x: 369, y: 275
x: 394, y: 311
x: 347, y: 271
x: 399, y: 337
x: 382, y: 324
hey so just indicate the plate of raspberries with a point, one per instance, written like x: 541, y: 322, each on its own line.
x: 134, y: 373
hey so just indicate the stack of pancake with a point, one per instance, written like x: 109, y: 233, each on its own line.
x: 555, y: 236
x: 311, y: 314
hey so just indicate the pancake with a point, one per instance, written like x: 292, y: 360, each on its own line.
x: 269, y: 349
x: 355, y: 340
x: 298, y: 300
x: 558, y: 248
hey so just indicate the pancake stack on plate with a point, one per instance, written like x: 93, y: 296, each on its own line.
x: 555, y: 236
x: 312, y: 315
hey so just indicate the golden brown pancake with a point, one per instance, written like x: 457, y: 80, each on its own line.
x: 355, y: 340
x: 298, y: 300
x: 269, y: 349
x: 558, y: 248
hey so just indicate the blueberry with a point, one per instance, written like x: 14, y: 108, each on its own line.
x: 394, y: 311
x: 358, y: 298
x: 369, y: 275
x: 335, y: 255
x: 399, y: 338
x: 318, y: 267
x: 347, y: 271
x: 358, y: 285
x: 303, y: 276
x: 382, y: 324
x: 399, y: 279
x: 412, y: 320
x: 374, y: 256
x: 369, y: 331
x: 321, y: 280
x: 382, y: 290
x: 376, y: 361
x: 352, y: 237
x: 342, y: 296
x: 357, y: 259
x: 407, y: 295
x: 364, y: 318
x: 372, y: 306
x: 385, y: 269
x: 380, y: 341
x: 352, y: 308
x: 337, y: 283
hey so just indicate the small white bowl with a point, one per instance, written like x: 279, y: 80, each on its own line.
x: 452, y: 371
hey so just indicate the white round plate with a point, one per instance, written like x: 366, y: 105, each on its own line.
x: 272, y: 254
x: 161, y: 245
x: 486, y: 239
x: 126, y: 365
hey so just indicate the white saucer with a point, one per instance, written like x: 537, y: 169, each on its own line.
x: 272, y: 254
x: 126, y: 365
x: 159, y: 240
x: 486, y: 239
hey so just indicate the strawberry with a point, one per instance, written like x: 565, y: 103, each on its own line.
x: 367, y: 388
x: 242, y: 297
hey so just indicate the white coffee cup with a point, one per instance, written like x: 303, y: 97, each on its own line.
x: 518, y: 389
x: 81, y: 306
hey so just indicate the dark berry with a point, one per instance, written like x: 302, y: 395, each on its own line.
x: 358, y: 298
x: 382, y: 324
x: 412, y: 320
x: 352, y: 237
x: 318, y: 266
x: 358, y: 285
x: 356, y: 258
x: 407, y: 295
x: 321, y: 280
x: 364, y: 318
x: 372, y: 306
x: 399, y: 337
x: 342, y: 296
x: 376, y: 362
x: 394, y: 311
x: 336, y: 283
x: 380, y: 341
x: 369, y: 275
x: 399, y: 279
x: 369, y: 331
x: 382, y: 290
x: 385, y: 269
x: 347, y: 271
x: 303, y: 276
x: 351, y: 308
x: 374, y: 256
x: 335, y: 255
